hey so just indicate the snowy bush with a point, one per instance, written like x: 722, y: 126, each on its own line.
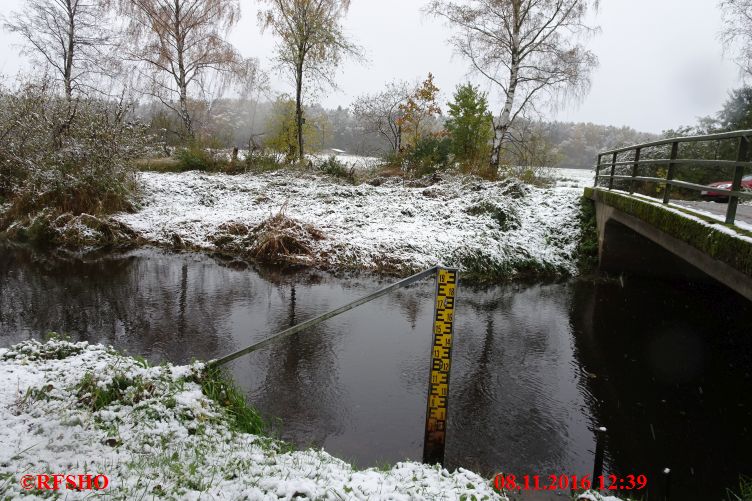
x: 66, y: 156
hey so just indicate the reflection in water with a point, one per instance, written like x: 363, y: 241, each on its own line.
x: 519, y: 384
x: 665, y: 368
x: 672, y: 372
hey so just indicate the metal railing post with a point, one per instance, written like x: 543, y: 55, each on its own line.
x: 634, y: 170
x: 666, y: 495
x: 600, y: 450
x: 671, y: 171
x: 741, y: 156
x: 613, y: 171
x: 597, y: 171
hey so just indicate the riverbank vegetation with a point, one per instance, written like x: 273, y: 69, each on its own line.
x: 493, y: 231
x: 587, y: 245
x: 743, y: 492
x: 87, y: 173
x: 65, y: 163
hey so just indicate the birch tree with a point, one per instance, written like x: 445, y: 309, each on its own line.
x: 182, y: 47
x: 737, y: 31
x: 311, y: 45
x: 529, y: 50
x: 70, y: 36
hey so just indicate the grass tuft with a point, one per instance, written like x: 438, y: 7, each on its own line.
x: 333, y: 167
x: 218, y: 386
x: 97, y: 394
x: 745, y: 490
x: 505, y: 218
x: 280, y: 237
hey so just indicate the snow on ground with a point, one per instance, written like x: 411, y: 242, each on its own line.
x: 681, y: 210
x: 702, y: 208
x: 573, y: 178
x: 75, y: 408
x: 357, y: 162
x: 460, y: 221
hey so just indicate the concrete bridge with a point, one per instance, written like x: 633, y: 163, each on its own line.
x: 639, y: 232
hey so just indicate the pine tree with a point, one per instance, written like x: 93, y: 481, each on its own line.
x: 737, y: 110
x: 470, y: 123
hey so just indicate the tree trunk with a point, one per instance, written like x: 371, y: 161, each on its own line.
x: 68, y: 70
x: 181, y: 76
x: 501, y: 127
x: 299, y: 109
x: 185, y: 115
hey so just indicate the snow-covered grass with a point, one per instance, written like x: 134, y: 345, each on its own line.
x: 573, y: 178
x: 75, y: 408
x: 496, y: 229
x: 357, y: 162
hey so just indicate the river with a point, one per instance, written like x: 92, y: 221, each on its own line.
x: 664, y: 366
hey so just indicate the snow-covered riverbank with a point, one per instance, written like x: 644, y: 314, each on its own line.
x: 74, y: 408
x: 495, y: 228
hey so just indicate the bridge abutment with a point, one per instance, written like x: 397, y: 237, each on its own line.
x: 640, y: 237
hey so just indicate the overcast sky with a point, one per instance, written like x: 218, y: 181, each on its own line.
x: 661, y: 64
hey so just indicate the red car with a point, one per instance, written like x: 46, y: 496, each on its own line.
x: 725, y: 185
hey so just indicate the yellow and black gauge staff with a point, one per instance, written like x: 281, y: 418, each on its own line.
x: 441, y: 362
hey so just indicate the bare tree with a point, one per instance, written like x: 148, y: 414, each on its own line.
x: 70, y: 36
x: 381, y: 113
x: 736, y: 34
x: 181, y: 44
x: 311, y: 44
x: 528, y: 49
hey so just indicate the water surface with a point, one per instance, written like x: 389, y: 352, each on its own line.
x: 665, y: 366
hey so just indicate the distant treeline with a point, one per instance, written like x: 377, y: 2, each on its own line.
x: 235, y: 122
x: 577, y: 145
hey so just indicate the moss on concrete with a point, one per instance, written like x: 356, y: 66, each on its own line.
x: 587, y: 245
x: 724, y: 247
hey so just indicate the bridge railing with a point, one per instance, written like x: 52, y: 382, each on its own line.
x: 636, y: 158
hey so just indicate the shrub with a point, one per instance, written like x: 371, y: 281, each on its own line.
x: 195, y: 157
x: 206, y: 154
x: 66, y: 156
x: 333, y: 167
x: 429, y: 154
x: 263, y: 161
